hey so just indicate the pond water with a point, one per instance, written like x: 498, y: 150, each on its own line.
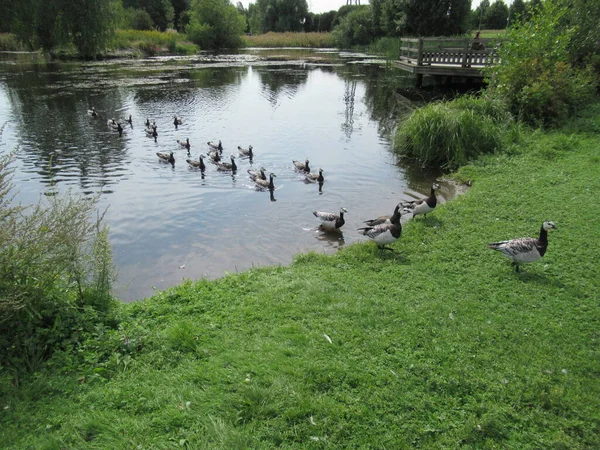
x: 169, y: 223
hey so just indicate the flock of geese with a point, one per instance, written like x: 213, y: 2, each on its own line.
x: 383, y: 230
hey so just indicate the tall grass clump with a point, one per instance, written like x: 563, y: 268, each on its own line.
x: 451, y: 133
x: 56, y: 273
x: 152, y: 42
x: 306, y: 40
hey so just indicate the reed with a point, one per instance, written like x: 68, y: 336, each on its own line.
x: 451, y: 133
x: 312, y: 40
x: 152, y: 42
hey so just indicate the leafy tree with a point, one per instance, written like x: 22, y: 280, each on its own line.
x: 180, y: 7
x: 423, y: 17
x: 516, y: 10
x: 48, y: 24
x: 583, y: 17
x: 137, y: 19
x: 356, y: 28
x: 478, y: 13
x: 496, y: 16
x: 281, y: 15
x: 326, y: 21
x: 215, y: 24
x: 162, y: 12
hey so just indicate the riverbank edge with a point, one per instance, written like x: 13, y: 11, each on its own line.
x: 440, y: 345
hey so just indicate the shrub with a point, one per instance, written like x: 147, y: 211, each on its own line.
x: 55, y: 267
x: 137, y: 19
x: 8, y: 43
x: 215, y: 24
x: 450, y: 133
x: 535, y: 77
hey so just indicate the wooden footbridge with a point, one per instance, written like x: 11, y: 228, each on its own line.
x: 446, y: 58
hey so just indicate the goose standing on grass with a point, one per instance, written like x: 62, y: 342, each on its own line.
x: 385, y: 232
x: 330, y: 221
x: 227, y: 167
x: 302, y: 166
x: 92, y: 112
x: 254, y: 174
x: 214, y: 146
x: 314, y: 177
x: 198, y: 164
x: 177, y: 121
x: 525, y: 250
x: 264, y: 184
x: 168, y: 157
x: 246, y: 151
x: 423, y: 206
x: 185, y: 144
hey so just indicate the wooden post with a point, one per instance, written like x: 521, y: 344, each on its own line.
x: 420, y: 52
x: 465, y: 57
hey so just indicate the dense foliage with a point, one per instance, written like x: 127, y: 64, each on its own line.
x: 48, y: 24
x: 278, y: 15
x: 355, y: 28
x: 215, y: 24
x: 539, y: 78
x: 55, y: 274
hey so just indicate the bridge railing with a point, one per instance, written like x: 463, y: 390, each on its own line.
x: 448, y: 51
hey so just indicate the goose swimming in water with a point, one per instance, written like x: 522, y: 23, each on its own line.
x: 119, y: 128
x: 303, y: 166
x: 227, y: 167
x: 185, y: 144
x: 525, y: 250
x: 112, y: 123
x: 330, y: 221
x: 254, y: 174
x: 218, y: 146
x: 215, y: 156
x: 315, y: 177
x: 151, y: 132
x: 92, y: 112
x: 198, y: 164
x: 177, y: 121
x: 246, y: 151
x: 386, y: 232
x: 423, y: 206
x: 264, y: 184
x: 168, y: 157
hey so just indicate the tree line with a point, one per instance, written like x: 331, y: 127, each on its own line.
x: 88, y: 25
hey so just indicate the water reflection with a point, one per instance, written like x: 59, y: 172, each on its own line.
x: 163, y: 216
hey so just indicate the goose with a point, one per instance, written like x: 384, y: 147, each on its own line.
x: 152, y: 133
x: 380, y: 220
x: 227, y: 167
x: 119, y: 128
x: 314, y: 177
x: 218, y: 146
x: 264, y: 184
x: 185, y: 144
x: 215, y: 156
x: 92, y: 112
x: 423, y: 206
x: 129, y: 121
x: 386, y: 232
x: 199, y: 164
x: 112, y: 123
x: 330, y: 221
x: 168, y: 157
x: 525, y: 250
x: 246, y: 151
x: 303, y: 166
x: 254, y: 174
x: 177, y: 121
x: 147, y: 123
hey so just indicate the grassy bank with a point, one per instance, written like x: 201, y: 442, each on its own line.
x: 441, y: 346
x: 309, y: 40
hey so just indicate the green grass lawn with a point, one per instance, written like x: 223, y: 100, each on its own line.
x: 441, y: 345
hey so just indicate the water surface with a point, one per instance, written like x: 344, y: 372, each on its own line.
x: 168, y: 223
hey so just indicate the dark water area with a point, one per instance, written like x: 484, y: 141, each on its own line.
x: 169, y: 223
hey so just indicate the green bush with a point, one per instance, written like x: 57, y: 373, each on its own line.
x: 535, y: 77
x: 137, y: 19
x: 8, y: 43
x: 55, y: 268
x: 356, y: 28
x: 451, y: 133
x: 215, y: 24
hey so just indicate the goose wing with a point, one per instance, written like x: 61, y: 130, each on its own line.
x: 515, y: 247
x: 325, y: 216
